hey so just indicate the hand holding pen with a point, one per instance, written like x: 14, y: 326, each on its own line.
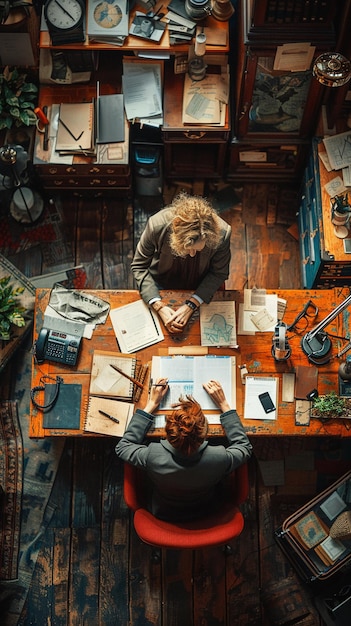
x: 157, y: 391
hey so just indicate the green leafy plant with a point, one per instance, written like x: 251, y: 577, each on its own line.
x: 10, y: 310
x: 17, y: 99
x: 330, y: 405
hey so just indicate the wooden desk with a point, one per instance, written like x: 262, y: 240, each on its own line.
x: 254, y: 351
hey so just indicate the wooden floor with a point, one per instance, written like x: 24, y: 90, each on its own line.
x: 92, y: 570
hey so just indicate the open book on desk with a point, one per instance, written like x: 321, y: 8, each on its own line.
x: 186, y: 375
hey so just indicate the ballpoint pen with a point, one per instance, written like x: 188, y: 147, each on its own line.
x: 134, y: 380
x: 110, y: 417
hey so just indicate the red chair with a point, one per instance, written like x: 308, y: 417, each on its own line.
x: 216, y: 528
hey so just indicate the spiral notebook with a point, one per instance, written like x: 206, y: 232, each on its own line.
x: 105, y: 381
x: 102, y: 414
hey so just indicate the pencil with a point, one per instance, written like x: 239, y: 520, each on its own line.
x: 110, y: 417
x: 134, y: 380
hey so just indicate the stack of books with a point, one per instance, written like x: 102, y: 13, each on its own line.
x: 108, y: 22
x: 180, y: 26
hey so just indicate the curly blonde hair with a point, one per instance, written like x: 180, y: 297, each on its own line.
x: 186, y: 427
x: 194, y: 220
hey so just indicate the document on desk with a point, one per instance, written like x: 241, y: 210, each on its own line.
x: 254, y: 386
x: 186, y: 375
x: 136, y: 326
x: 205, y: 101
x: 142, y: 89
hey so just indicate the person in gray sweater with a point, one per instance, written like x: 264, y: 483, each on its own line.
x: 185, y: 471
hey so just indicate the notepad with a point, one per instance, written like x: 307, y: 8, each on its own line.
x: 136, y: 326
x: 96, y: 422
x: 110, y: 118
x: 254, y: 386
x: 66, y: 411
x: 75, y: 127
x: 107, y: 382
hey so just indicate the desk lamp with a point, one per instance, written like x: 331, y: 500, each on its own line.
x: 316, y: 343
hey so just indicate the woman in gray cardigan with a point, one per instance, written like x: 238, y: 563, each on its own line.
x: 184, y: 470
x: 184, y: 246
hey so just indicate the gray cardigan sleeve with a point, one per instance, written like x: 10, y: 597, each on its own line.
x: 132, y: 447
x: 239, y: 449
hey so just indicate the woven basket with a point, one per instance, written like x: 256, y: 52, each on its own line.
x: 341, y: 529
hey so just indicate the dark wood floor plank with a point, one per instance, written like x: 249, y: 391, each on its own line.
x: 84, y: 577
x: 210, y: 587
x: 177, y: 582
x: 117, y: 243
x: 145, y: 584
x: 238, y: 263
x: 88, y: 243
x: 113, y: 586
x: 87, y: 482
x: 243, y: 574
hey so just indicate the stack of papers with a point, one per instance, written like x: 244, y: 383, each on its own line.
x: 205, y: 101
x: 142, y: 89
x: 338, y: 157
x: 181, y: 27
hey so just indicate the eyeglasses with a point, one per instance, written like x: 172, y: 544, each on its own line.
x: 302, y: 320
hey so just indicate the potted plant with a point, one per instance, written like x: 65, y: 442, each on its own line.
x: 17, y: 99
x: 10, y: 310
x: 330, y: 405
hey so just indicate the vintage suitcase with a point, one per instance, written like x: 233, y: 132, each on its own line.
x: 317, y: 537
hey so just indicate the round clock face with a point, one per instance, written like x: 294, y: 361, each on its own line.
x: 107, y: 14
x: 63, y: 14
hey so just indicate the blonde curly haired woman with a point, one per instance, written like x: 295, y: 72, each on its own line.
x: 184, y: 246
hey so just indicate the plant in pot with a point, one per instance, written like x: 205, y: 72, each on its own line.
x: 17, y: 99
x: 330, y: 405
x: 11, y: 312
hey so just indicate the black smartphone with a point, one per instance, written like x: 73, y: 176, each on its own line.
x: 266, y: 402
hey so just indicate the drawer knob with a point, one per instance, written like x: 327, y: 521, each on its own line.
x: 191, y: 135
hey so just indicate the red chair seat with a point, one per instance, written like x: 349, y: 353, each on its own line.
x: 216, y: 528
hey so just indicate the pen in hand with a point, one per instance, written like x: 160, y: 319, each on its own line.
x: 110, y: 417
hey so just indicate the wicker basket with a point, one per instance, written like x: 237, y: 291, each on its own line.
x: 341, y: 528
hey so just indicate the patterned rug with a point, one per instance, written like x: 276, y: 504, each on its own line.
x: 40, y: 462
x: 11, y: 469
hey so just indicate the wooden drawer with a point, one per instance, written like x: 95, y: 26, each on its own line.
x: 195, y: 135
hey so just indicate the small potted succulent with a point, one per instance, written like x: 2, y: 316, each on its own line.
x: 17, y: 99
x: 11, y: 313
x: 330, y: 405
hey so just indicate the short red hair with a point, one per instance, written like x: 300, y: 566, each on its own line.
x: 186, y: 428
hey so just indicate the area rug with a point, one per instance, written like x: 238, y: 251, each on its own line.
x: 11, y: 469
x: 40, y: 462
x: 48, y: 231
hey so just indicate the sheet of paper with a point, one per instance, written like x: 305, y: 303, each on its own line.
x: 255, y: 385
x: 135, y: 326
x: 186, y: 375
x: 218, y: 324
x: 142, y: 89
x: 338, y: 148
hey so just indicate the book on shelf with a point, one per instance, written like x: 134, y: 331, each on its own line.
x: 136, y: 326
x: 106, y: 416
x: 177, y: 12
x: 329, y: 550
x: 309, y: 530
x: 75, y: 133
x: 105, y: 381
x: 107, y: 21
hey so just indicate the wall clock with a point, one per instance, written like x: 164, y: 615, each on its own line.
x: 65, y: 20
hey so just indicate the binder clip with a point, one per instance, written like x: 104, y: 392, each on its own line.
x: 280, y: 346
